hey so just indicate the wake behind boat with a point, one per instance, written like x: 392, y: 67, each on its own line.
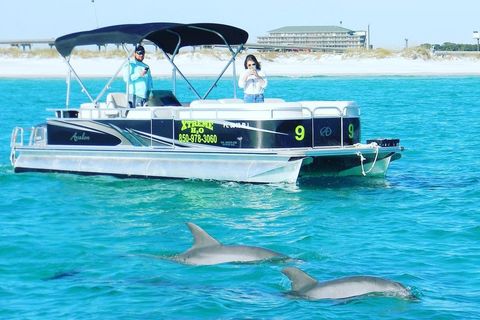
x: 219, y: 139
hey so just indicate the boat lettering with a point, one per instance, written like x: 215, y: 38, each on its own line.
x: 81, y: 137
x: 196, y: 127
x: 198, y: 138
x: 299, y: 133
x: 231, y: 125
x: 351, y: 130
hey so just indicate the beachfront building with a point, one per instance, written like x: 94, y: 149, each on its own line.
x: 319, y: 38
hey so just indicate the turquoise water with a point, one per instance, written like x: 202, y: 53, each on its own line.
x: 77, y: 247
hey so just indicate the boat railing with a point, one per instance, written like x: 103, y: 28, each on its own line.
x: 240, y: 113
x: 215, y: 110
x: 337, y: 110
x: 37, y: 136
x: 16, y: 140
x: 212, y: 113
x: 17, y: 133
x: 268, y: 111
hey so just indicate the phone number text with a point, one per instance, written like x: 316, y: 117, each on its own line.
x: 198, y: 138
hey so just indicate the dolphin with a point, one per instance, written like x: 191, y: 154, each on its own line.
x: 306, y: 287
x: 62, y: 274
x: 208, y: 251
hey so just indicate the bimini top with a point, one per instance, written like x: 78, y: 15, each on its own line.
x: 167, y: 36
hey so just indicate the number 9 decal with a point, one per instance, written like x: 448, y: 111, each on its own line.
x: 351, y: 130
x: 299, y: 133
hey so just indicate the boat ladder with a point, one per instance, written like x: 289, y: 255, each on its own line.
x: 37, y: 137
x: 16, y: 140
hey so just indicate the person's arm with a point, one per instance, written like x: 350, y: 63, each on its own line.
x: 262, y: 79
x: 243, y: 79
x: 129, y: 72
x: 149, y: 80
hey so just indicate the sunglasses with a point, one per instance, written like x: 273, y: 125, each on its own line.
x: 140, y: 52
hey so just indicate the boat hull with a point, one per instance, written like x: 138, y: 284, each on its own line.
x: 247, y: 166
x: 252, y: 167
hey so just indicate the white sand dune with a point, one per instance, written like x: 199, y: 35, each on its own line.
x: 281, y: 65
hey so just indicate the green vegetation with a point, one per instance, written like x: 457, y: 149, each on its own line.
x: 424, y: 52
x: 18, y: 53
x: 417, y: 53
x: 449, y: 46
x: 379, y: 53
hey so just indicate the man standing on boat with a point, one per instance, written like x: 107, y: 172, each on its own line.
x: 137, y: 75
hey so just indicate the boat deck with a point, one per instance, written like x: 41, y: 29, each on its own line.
x: 214, y: 109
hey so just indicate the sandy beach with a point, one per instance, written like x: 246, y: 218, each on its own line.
x: 293, y: 65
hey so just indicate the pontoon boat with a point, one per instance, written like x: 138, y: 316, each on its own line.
x: 218, y: 139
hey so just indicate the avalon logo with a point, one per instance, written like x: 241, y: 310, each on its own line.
x: 76, y: 137
x: 326, y: 132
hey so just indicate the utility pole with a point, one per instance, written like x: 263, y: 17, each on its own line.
x: 95, y: 12
x: 368, y: 37
x: 476, y: 35
x: 406, y: 43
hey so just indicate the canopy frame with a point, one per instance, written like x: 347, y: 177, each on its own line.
x: 169, y: 37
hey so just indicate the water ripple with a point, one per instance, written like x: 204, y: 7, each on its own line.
x: 85, y: 247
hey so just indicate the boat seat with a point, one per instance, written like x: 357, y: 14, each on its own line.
x: 87, y: 105
x: 273, y: 100
x: 203, y: 102
x: 117, y: 100
x: 231, y: 100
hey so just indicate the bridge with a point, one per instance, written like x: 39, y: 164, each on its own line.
x: 28, y: 43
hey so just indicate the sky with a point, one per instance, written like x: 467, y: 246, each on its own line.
x: 390, y: 21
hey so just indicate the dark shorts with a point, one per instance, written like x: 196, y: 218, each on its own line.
x: 136, y: 101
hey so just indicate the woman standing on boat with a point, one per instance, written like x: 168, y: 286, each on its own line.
x: 137, y: 75
x: 253, y: 80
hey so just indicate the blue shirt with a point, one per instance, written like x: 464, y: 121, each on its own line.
x: 139, y: 85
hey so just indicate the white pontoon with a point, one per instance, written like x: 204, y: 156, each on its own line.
x: 219, y: 139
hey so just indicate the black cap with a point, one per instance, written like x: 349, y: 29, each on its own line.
x: 139, y: 49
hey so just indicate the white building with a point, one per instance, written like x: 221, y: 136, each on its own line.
x: 324, y: 38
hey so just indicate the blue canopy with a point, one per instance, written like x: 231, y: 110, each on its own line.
x: 167, y: 36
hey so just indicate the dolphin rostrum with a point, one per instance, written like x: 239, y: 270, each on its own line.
x: 306, y: 287
x: 208, y: 251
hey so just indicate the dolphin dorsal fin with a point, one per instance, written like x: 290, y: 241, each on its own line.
x: 201, y: 238
x: 300, y: 280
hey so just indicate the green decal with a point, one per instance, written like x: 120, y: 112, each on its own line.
x: 299, y: 133
x: 351, y: 130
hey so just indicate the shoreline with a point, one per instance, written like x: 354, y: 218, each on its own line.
x: 299, y: 66
x: 293, y: 76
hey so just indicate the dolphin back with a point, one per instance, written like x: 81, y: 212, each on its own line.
x: 342, y: 288
x: 300, y: 280
x: 208, y: 251
x: 201, y: 238
x: 251, y: 253
x: 362, y: 285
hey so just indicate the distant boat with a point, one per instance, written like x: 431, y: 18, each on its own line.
x: 222, y: 139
